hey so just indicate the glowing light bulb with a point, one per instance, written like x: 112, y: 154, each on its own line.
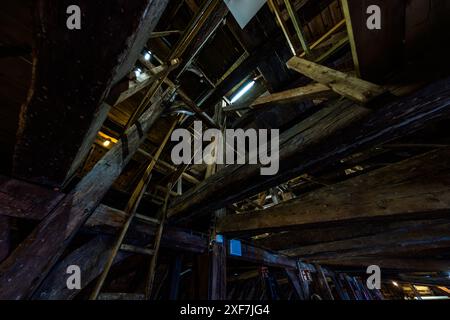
x: 106, y: 143
x: 147, y: 56
x: 395, y: 283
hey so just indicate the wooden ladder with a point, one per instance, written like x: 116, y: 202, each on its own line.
x: 131, y: 208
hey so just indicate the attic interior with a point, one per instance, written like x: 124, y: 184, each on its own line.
x: 87, y: 177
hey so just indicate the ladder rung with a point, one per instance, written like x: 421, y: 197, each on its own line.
x: 147, y: 219
x: 135, y: 249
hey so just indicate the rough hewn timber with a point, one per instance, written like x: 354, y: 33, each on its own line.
x: 218, y: 272
x: 418, y: 186
x: 91, y: 259
x: 346, y: 85
x: 420, y: 237
x: 320, y: 142
x: 28, y: 265
x: 335, y: 233
x: 73, y: 72
x: 309, y: 92
x: 425, y: 265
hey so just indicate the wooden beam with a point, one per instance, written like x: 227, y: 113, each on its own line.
x: 160, y: 34
x: 31, y: 261
x: 376, y: 52
x: 297, y: 26
x: 175, y: 272
x: 331, y: 134
x: 91, y: 258
x: 218, y: 272
x: 425, y: 265
x: 155, y: 73
x: 309, y: 92
x: 316, y: 236
x: 346, y: 85
x: 398, y: 190
x: 65, y: 107
x: 264, y: 257
x: 409, y: 238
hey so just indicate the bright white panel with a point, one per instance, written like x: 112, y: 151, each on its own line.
x: 244, y: 10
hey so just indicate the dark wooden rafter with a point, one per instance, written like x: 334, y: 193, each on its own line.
x: 396, y: 190
x: 52, y: 142
x: 32, y: 261
x: 404, y: 264
x: 341, y: 129
x: 411, y: 237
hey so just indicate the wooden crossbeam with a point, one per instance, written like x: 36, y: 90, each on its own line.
x: 155, y: 74
x: 73, y: 72
x: 425, y: 265
x: 398, y: 190
x: 300, y: 94
x: 28, y: 264
x: 411, y: 237
x: 346, y: 85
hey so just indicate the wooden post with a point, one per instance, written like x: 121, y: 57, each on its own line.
x: 218, y: 272
x: 279, y: 17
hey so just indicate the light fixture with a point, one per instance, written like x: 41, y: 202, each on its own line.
x: 137, y: 72
x: 106, y: 143
x: 395, y: 283
x: 243, y: 91
x: 147, y: 56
